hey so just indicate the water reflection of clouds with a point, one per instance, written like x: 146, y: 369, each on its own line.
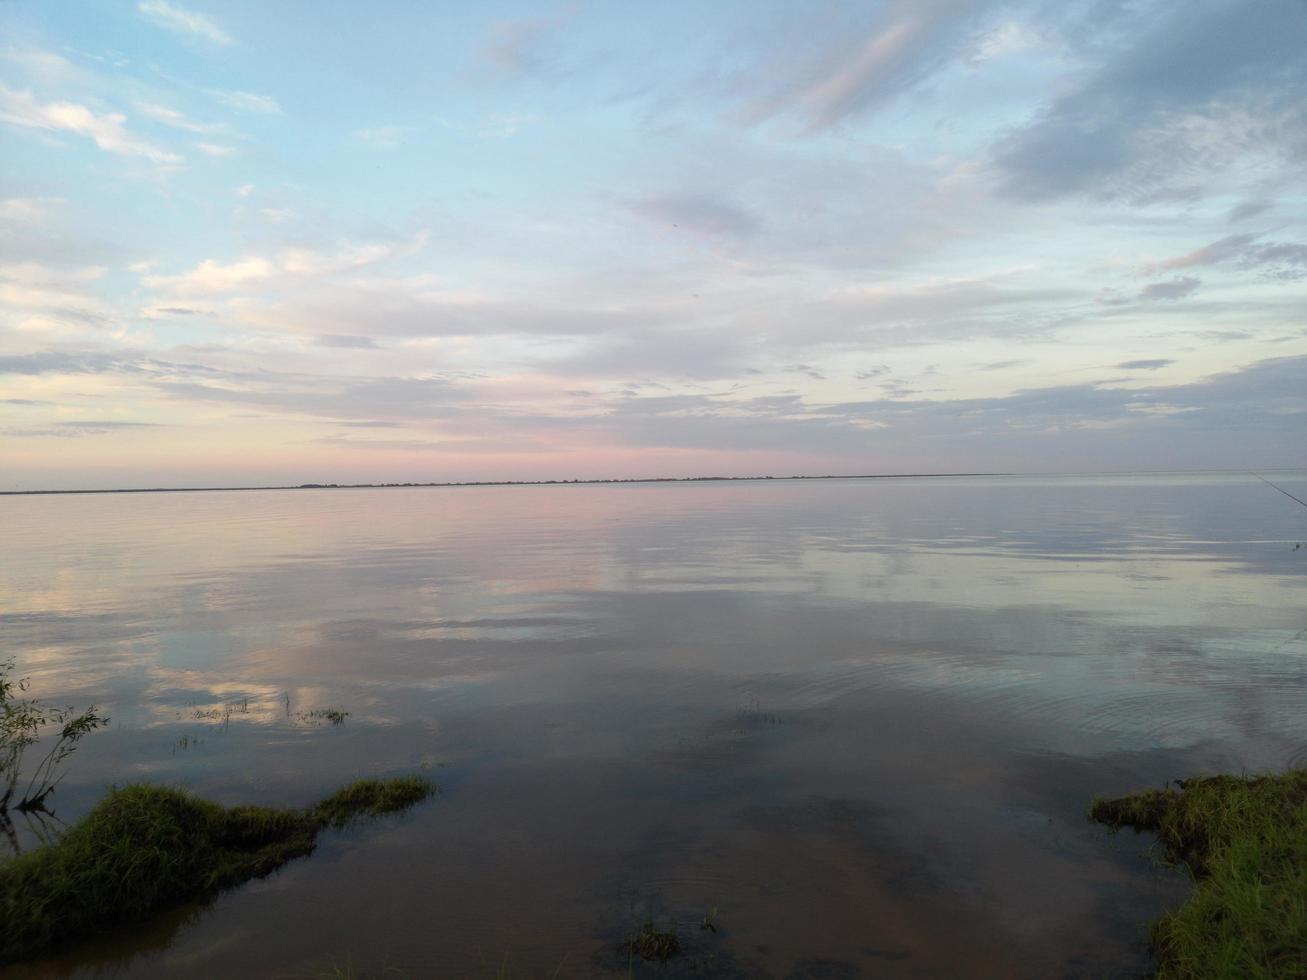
x: 893, y: 645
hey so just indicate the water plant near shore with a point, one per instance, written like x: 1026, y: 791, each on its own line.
x: 22, y: 721
x: 318, y: 715
x: 143, y: 848
x: 652, y: 943
x: 1244, y: 842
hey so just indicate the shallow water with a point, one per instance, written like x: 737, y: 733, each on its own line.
x: 861, y: 719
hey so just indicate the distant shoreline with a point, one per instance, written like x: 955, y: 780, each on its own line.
x: 618, y: 480
x: 503, y: 483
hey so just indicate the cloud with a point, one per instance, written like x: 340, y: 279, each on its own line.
x: 703, y: 213
x: 1008, y: 38
x: 1236, y: 399
x: 64, y: 362
x: 655, y: 350
x: 461, y: 445
x: 930, y: 311
x: 1247, y: 209
x: 1263, y: 403
x: 654, y: 326
x: 1148, y: 364
x: 216, y: 277
x: 104, y: 425
x: 263, y: 105
x: 1282, y: 260
x: 48, y: 68
x: 73, y: 430
x: 49, y: 296
x: 212, y: 277
x: 27, y: 210
x: 781, y: 294
x: 1184, y: 93
x: 393, y: 308
x: 384, y: 398
x: 181, y: 21
x: 385, y: 137
x: 51, y: 362
x: 863, y: 66
x: 21, y: 108
x: 522, y: 47
x: 1175, y: 289
x: 1219, y: 251
x: 345, y: 299
x: 339, y: 398
x: 494, y: 126
x: 215, y: 149
x: 178, y: 120
x: 348, y: 341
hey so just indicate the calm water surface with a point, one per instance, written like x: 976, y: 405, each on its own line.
x: 862, y: 719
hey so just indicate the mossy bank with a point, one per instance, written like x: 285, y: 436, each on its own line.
x: 1244, y: 841
x: 144, y: 848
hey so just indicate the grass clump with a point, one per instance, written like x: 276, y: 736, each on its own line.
x: 144, y: 848
x: 1244, y: 842
x: 371, y: 798
x: 652, y: 943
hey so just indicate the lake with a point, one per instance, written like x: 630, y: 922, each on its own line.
x: 860, y: 719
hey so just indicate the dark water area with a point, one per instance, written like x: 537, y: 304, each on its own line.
x: 861, y: 719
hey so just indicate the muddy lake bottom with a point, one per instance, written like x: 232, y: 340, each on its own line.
x: 862, y: 720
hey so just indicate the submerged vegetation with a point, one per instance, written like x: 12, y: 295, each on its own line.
x: 1244, y: 842
x: 318, y: 715
x: 652, y: 943
x: 143, y: 848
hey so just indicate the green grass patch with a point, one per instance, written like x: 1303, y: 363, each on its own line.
x: 1244, y: 842
x: 371, y: 798
x: 144, y: 848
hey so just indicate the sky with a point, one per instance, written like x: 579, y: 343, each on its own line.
x: 253, y: 243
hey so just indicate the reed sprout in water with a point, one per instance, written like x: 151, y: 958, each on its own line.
x: 22, y: 721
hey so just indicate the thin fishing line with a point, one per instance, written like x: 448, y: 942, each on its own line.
x: 1281, y: 489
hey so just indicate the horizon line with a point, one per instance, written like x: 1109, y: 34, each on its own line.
x: 642, y: 479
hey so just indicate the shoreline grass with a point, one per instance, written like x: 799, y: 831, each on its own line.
x: 1243, y: 841
x: 144, y: 848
